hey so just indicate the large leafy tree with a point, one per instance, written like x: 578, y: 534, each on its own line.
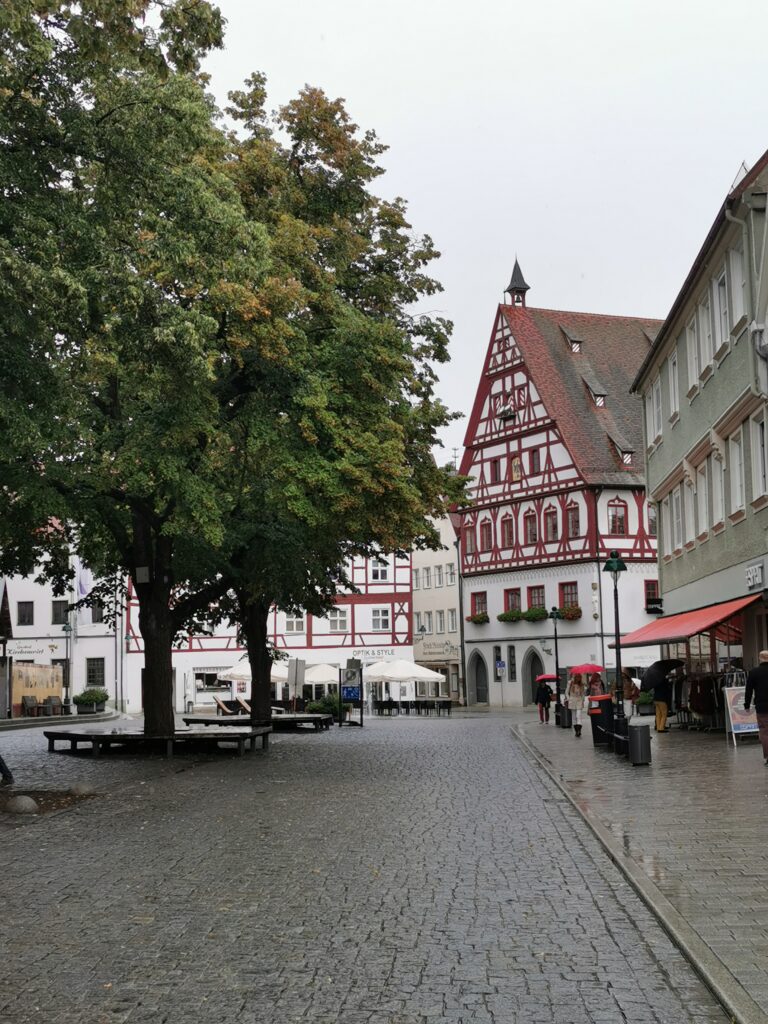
x: 342, y: 463
x: 214, y: 382
x: 131, y: 279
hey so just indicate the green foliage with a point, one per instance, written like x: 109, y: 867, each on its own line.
x: 479, y: 618
x: 535, y: 614
x: 328, y: 705
x: 511, y: 615
x: 570, y: 612
x: 645, y: 697
x: 93, y: 696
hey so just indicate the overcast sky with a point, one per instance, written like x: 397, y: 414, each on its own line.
x: 595, y: 139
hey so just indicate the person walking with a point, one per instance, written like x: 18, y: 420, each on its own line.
x: 757, y: 688
x: 544, y: 699
x: 574, y: 695
x: 596, y: 686
x: 630, y: 691
x: 662, y: 696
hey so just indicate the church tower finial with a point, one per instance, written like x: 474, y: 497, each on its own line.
x: 517, y: 287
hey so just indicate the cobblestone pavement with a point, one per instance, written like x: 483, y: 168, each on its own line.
x: 695, y: 823
x: 416, y: 871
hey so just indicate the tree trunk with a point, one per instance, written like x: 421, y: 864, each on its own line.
x: 254, y: 616
x: 157, y: 634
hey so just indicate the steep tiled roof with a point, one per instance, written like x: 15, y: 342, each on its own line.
x: 612, y: 349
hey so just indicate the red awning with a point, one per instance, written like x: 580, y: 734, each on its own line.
x: 672, y: 628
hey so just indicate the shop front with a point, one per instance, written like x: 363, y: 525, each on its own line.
x: 710, y: 644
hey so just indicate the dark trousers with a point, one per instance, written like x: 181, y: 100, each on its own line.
x: 762, y: 728
x: 544, y: 714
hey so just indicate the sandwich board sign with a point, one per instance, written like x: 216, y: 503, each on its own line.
x: 351, y: 689
x: 738, y: 721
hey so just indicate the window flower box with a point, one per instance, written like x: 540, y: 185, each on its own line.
x: 511, y: 615
x: 535, y: 614
x: 479, y: 618
x: 570, y: 613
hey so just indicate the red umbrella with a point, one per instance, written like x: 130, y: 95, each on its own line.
x: 587, y: 668
x: 546, y: 678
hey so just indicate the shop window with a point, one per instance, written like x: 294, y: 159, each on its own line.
x: 569, y: 595
x: 531, y: 528
x: 480, y: 603
x: 512, y: 600
x: 536, y: 597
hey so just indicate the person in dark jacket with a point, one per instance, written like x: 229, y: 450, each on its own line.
x: 757, y: 688
x: 662, y: 698
x: 544, y: 699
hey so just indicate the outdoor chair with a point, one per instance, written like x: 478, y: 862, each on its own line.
x: 53, y: 706
x: 245, y: 706
x: 221, y: 707
x: 30, y: 707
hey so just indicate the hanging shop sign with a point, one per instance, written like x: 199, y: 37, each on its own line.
x: 738, y: 721
x: 754, y: 575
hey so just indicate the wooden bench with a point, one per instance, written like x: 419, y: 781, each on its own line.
x: 285, y: 720
x: 101, y: 741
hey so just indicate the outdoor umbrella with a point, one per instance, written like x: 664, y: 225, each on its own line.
x: 548, y: 677
x: 656, y: 674
x: 241, y: 673
x: 322, y: 674
x: 587, y: 668
x: 399, y: 671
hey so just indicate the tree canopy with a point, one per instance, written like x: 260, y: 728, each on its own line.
x: 215, y: 381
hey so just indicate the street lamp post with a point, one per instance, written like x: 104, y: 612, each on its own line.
x: 66, y: 630
x: 556, y: 614
x: 615, y: 566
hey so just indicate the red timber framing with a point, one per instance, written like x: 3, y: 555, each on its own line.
x: 509, y: 423
x: 379, y: 587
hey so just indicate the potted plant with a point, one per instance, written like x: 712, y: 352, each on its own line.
x: 90, y: 701
x: 511, y: 615
x: 570, y: 612
x: 535, y: 614
x: 479, y: 618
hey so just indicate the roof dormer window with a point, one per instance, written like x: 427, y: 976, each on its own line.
x: 597, y: 392
x: 574, y: 342
x: 624, y: 449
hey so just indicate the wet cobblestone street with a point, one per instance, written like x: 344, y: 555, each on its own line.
x: 416, y: 871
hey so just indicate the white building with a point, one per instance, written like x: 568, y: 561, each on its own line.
x: 437, y: 623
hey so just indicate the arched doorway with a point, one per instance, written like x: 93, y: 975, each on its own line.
x: 532, y: 667
x: 478, y: 678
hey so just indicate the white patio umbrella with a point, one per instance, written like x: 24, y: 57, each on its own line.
x: 322, y: 674
x: 399, y: 671
x: 241, y: 673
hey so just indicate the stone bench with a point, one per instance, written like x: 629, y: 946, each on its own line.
x: 101, y: 741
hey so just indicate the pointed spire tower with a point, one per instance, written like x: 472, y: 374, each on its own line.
x: 517, y: 287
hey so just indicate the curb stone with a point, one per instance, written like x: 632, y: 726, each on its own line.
x: 732, y: 996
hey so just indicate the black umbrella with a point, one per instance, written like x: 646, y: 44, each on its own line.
x: 666, y: 665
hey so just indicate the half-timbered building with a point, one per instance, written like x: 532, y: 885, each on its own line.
x: 554, y: 452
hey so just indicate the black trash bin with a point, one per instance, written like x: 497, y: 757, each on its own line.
x: 639, y: 743
x: 601, y: 719
x: 620, y: 738
x: 566, y: 717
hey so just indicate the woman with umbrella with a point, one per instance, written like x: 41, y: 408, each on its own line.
x: 544, y: 697
x: 575, y: 698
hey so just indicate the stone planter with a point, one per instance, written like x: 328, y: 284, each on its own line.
x: 90, y: 709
